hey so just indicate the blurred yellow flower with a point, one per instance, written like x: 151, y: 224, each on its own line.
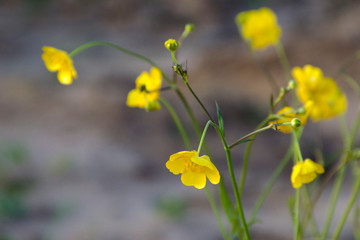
x: 193, y: 169
x: 327, y: 97
x: 58, y: 60
x: 305, y: 172
x: 147, y: 91
x: 259, y: 27
x: 287, y: 114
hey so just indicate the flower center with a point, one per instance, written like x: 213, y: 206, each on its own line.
x: 193, y: 167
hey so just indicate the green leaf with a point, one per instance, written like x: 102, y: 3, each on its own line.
x: 272, y: 103
x: 220, y: 119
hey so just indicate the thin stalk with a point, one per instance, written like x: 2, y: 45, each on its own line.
x: 247, y: 156
x: 233, y: 181
x: 352, y: 83
x: 355, y: 129
x: 275, y: 87
x: 297, y: 149
x: 271, y: 126
x: 307, y: 205
x: 333, y: 200
x: 203, y: 136
x: 121, y: 49
x: 348, y: 62
x: 183, y: 74
x: 296, y: 215
x: 352, y: 200
x: 185, y: 78
x: 283, y: 59
x: 270, y: 184
x: 216, y: 213
x: 177, y: 122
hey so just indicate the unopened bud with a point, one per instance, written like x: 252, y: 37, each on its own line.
x: 189, y: 28
x: 291, y: 85
x: 152, y: 106
x: 295, y: 122
x: 171, y: 45
x: 301, y: 110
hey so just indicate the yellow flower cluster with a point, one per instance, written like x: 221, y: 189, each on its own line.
x: 147, y: 91
x: 328, y: 99
x: 193, y: 169
x: 305, y: 172
x: 259, y: 27
x: 60, y: 61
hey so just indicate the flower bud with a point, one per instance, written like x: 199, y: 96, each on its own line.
x: 189, y: 28
x: 171, y: 45
x: 295, y: 122
x: 291, y: 85
x: 152, y: 106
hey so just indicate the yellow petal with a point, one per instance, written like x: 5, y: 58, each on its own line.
x: 136, y: 98
x: 65, y: 77
x: 213, y: 175
x: 156, y: 77
x: 53, y: 58
x: 313, y: 166
x: 295, y: 173
x: 202, y: 161
x: 198, y: 180
x: 176, y: 162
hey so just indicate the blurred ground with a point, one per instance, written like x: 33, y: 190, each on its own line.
x: 94, y: 169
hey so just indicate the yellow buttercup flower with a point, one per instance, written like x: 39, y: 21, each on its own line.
x: 60, y: 61
x: 146, y: 93
x: 287, y: 114
x: 305, y: 172
x: 193, y: 169
x: 328, y: 98
x: 259, y: 27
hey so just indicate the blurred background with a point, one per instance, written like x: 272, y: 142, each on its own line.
x: 76, y: 163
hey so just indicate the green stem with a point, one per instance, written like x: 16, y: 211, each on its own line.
x: 333, y: 200
x: 203, y: 136
x: 352, y: 83
x: 270, y: 184
x: 296, y: 215
x: 348, y: 62
x: 121, y: 49
x: 178, y: 69
x: 355, y: 129
x: 192, y: 118
x: 216, y: 213
x: 186, y: 81
x: 297, y: 149
x: 271, y: 126
x: 233, y: 181
x: 352, y: 200
x: 284, y: 60
x: 177, y: 122
x: 307, y: 205
x: 247, y: 156
x: 267, y: 73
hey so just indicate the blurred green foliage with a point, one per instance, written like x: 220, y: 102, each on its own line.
x: 13, y: 185
x: 171, y: 206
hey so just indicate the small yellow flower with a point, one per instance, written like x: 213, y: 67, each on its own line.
x: 193, y: 169
x: 146, y: 93
x: 305, y: 172
x: 287, y: 114
x: 58, y: 60
x: 328, y: 98
x: 259, y: 27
